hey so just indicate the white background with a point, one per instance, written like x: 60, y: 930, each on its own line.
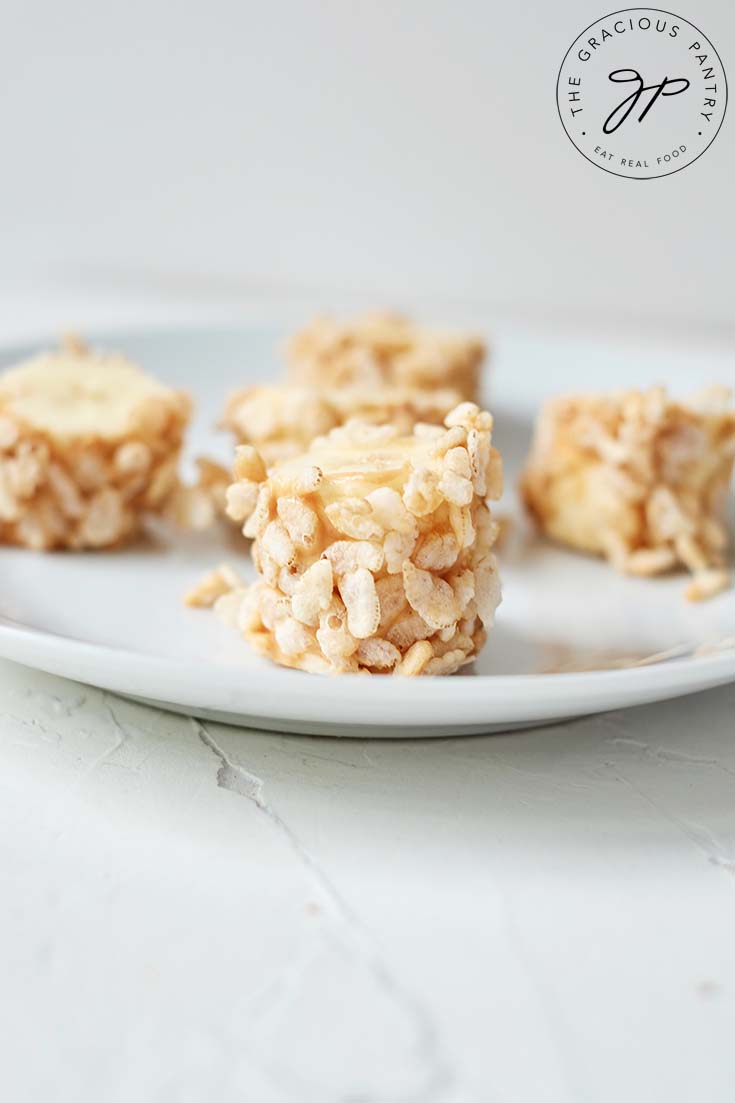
x: 403, y: 150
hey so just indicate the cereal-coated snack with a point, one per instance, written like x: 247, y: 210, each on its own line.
x: 385, y: 348
x: 374, y: 550
x: 281, y: 420
x: 639, y: 478
x: 88, y: 444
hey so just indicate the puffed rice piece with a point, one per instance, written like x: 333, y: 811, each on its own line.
x: 199, y: 505
x: 364, y: 554
x: 281, y: 420
x: 222, y: 580
x: 637, y: 477
x: 706, y: 584
x: 89, y: 444
x: 379, y: 349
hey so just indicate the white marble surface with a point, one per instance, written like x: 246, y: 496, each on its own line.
x: 191, y: 912
x: 196, y: 912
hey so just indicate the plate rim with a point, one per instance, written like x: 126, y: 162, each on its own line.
x: 475, y: 699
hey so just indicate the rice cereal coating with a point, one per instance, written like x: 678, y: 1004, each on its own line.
x: 373, y: 550
x: 88, y: 444
x: 385, y: 349
x: 282, y: 420
x: 637, y: 477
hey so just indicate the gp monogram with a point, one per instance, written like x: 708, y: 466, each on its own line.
x: 642, y: 93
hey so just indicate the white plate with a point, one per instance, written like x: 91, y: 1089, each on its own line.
x: 565, y: 632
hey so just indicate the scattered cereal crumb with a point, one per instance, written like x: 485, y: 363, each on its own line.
x: 212, y: 586
x: 706, y: 584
